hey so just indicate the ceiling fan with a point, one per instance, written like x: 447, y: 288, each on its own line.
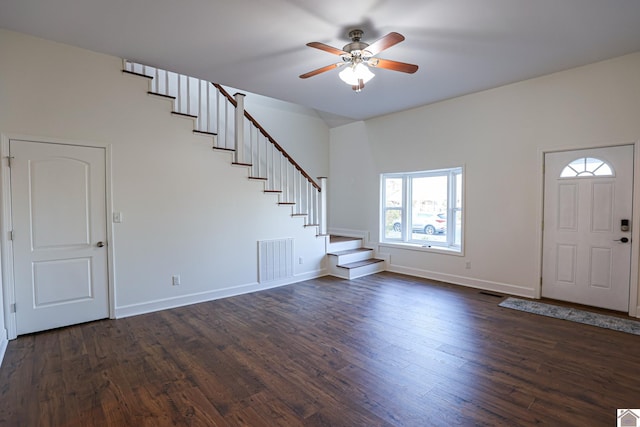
x: 358, y: 56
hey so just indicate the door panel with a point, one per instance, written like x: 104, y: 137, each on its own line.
x: 61, y: 281
x: 602, y: 207
x: 584, y: 260
x: 63, y: 200
x: 601, y: 262
x: 568, y: 207
x: 566, y: 264
x: 59, y: 215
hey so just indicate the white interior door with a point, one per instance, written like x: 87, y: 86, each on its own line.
x: 586, y: 250
x: 59, y: 234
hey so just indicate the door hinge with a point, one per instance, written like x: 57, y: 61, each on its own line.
x: 11, y: 235
x: 12, y: 308
x: 541, y: 282
x: 9, y: 159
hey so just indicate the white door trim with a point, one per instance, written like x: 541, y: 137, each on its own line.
x: 634, y: 308
x: 6, y: 246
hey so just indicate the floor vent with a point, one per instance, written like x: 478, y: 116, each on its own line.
x: 490, y: 294
x: 275, y: 260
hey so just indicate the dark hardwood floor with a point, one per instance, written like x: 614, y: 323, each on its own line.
x: 384, y: 350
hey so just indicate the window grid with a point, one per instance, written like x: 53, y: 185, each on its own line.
x: 586, y: 167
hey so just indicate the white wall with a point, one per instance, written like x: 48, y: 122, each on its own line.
x: 186, y: 210
x: 498, y: 136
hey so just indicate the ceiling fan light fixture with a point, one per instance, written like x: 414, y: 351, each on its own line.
x: 358, y: 56
x: 356, y: 75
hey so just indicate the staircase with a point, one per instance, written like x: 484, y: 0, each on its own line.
x: 348, y: 259
x: 219, y: 116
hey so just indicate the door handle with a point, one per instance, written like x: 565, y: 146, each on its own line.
x: 100, y: 244
x: 623, y: 240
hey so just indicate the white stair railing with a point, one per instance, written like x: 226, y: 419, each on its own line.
x: 222, y: 116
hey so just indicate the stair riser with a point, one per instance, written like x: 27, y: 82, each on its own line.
x: 355, y: 273
x: 345, y: 246
x: 345, y: 259
x: 366, y: 270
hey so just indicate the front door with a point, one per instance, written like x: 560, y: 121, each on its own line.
x: 587, y: 226
x: 59, y: 234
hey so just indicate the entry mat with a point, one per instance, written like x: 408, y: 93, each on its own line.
x: 573, y: 314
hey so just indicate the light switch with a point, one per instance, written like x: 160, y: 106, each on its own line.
x: 117, y: 217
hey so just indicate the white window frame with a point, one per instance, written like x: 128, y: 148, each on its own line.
x: 453, y: 211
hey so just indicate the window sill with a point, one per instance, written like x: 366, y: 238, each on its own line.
x: 445, y: 250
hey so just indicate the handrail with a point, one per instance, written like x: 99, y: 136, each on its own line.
x: 269, y: 137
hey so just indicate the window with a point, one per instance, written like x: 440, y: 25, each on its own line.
x: 586, y: 166
x: 423, y: 208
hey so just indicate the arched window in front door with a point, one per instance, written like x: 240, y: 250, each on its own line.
x: 586, y: 167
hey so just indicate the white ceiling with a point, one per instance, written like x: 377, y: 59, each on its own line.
x: 461, y: 46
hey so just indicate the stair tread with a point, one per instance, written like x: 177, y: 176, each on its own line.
x: 361, y: 263
x: 350, y: 251
x: 178, y: 113
x: 136, y: 74
x: 161, y: 95
x: 204, y: 132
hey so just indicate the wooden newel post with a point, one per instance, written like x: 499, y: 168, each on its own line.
x: 322, y: 182
x: 239, y: 127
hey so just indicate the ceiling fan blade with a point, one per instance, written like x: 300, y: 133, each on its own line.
x: 393, y: 65
x: 320, y: 70
x: 385, y: 43
x: 327, y: 48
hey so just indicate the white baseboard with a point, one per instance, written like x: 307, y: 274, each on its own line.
x: 3, y: 344
x: 487, y: 285
x: 180, y: 301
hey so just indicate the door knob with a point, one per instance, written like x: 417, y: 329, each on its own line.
x: 100, y: 244
x: 623, y: 240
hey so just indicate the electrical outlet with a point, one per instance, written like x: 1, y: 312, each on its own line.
x: 300, y: 260
x: 468, y: 265
x: 175, y: 280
